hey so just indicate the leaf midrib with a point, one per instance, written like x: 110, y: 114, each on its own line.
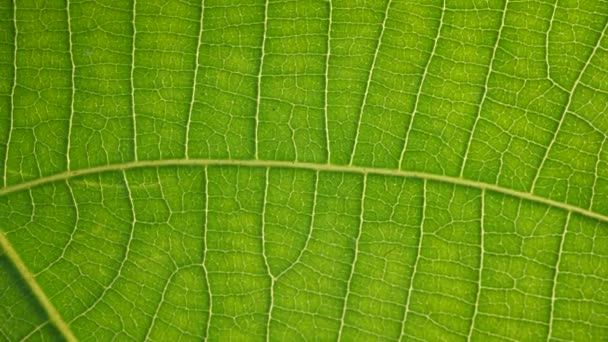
x: 305, y: 166
x: 53, y: 315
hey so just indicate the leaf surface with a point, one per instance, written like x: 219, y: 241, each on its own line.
x: 304, y: 170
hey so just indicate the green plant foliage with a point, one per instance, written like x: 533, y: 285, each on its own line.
x: 290, y: 170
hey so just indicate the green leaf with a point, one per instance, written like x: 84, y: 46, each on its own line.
x: 304, y: 170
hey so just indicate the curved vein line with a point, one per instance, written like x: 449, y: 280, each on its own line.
x: 406, y: 310
x: 69, y: 243
x: 484, y: 96
x: 369, y: 81
x: 72, y: 84
x: 596, y: 172
x: 50, y: 310
x: 264, y: 253
x: 355, y: 257
x: 306, y: 166
x: 196, y: 67
x: 422, y: 80
x: 259, y: 83
x: 204, y: 261
x: 547, y: 43
x: 163, y: 298
x: 577, y: 82
x: 125, y: 256
x: 310, y: 228
x: 159, y: 305
x: 12, y: 96
x: 30, y: 334
x: 133, y: 117
x: 547, y: 38
x: 325, y: 92
x: 481, y: 253
x: 555, y: 275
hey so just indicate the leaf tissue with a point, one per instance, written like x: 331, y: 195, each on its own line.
x: 283, y: 170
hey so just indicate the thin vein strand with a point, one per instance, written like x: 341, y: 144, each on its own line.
x: 415, y: 270
x: 205, y: 248
x: 159, y: 305
x: 567, y: 107
x: 264, y: 253
x: 12, y: 97
x: 127, y: 249
x: 481, y: 254
x: 196, y: 67
x: 555, y: 275
x: 548, y: 36
x: 355, y: 257
x: 72, y: 84
x: 310, y: 227
x: 132, y: 79
x: 369, y: 81
x: 259, y: 84
x: 419, y: 91
x: 484, y: 95
x: 325, y: 92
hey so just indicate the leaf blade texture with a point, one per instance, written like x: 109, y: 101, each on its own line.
x: 304, y: 170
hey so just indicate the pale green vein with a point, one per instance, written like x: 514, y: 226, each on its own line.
x: 354, y: 262
x: 577, y: 82
x: 259, y: 84
x: 555, y: 275
x: 369, y: 81
x: 132, y: 79
x: 76, y: 223
x: 481, y: 254
x: 425, y: 72
x: 306, y: 166
x: 72, y: 84
x: 204, y: 261
x: 410, y: 289
x: 12, y: 96
x: 596, y: 172
x: 547, y: 38
x: 196, y: 67
x: 159, y: 305
x: 126, y: 254
x: 484, y: 96
x: 29, y: 279
x: 264, y: 252
x: 168, y: 280
x: 310, y: 227
x: 31, y: 333
x: 325, y: 91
